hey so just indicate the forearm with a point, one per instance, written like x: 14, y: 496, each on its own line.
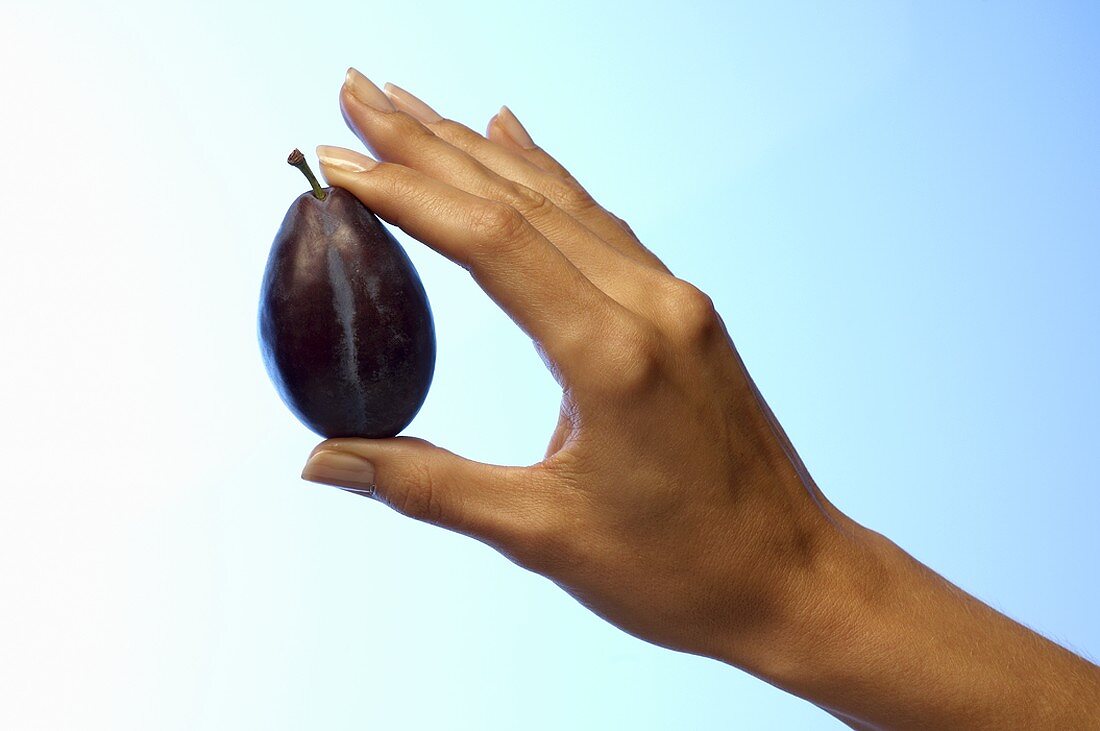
x: 881, y: 641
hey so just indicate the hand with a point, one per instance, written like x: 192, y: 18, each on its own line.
x: 668, y: 502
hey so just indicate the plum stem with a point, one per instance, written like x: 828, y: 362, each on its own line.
x: 298, y: 160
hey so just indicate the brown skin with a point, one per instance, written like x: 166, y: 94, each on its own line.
x: 670, y: 501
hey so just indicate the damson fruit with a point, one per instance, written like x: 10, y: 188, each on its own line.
x: 345, y: 327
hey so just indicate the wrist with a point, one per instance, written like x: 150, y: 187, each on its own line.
x: 824, y: 610
x: 870, y: 633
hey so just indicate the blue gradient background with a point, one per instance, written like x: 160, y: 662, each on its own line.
x: 894, y: 206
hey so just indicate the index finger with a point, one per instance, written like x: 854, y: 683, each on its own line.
x: 531, y: 280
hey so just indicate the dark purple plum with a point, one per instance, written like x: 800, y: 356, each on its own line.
x: 345, y: 327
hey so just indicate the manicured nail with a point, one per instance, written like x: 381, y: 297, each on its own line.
x: 347, y: 160
x: 364, y: 90
x: 406, y: 102
x: 341, y: 469
x: 514, y: 129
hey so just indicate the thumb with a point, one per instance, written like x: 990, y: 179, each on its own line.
x: 423, y: 481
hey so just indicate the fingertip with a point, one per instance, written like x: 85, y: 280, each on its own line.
x: 340, y: 469
x: 345, y: 444
x: 343, y: 159
x: 327, y: 445
x: 494, y: 131
x: 514, y: 129
x: 405, y: 101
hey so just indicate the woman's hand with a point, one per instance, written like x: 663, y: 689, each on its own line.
x: 669, y: 501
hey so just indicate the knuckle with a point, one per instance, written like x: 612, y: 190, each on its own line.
x: 398, y: 190
x: 419, y: 497
x: 529, y: 202
x: 572, y: 197
x: 395, y: 182
x: 495, y: 226
x: 688, y: 312
x: 626, y: 226
x: 630, y: 359
x: 454, y: 132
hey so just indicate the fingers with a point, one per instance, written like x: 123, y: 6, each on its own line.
x: 533, y: 167
x: 527, y: 276
x: 430, y: 484
x: 505, y: 129
x: 506, y: 132
x: 368, y: 112
x: 403, y: 139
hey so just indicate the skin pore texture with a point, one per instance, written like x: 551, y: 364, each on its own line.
x: 670, y: 501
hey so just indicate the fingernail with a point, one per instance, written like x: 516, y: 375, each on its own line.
x: 346, y: 160
x: 408, y: 103
x: 512, y: 127
x: 365, y: 91
x: 340, y: 469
